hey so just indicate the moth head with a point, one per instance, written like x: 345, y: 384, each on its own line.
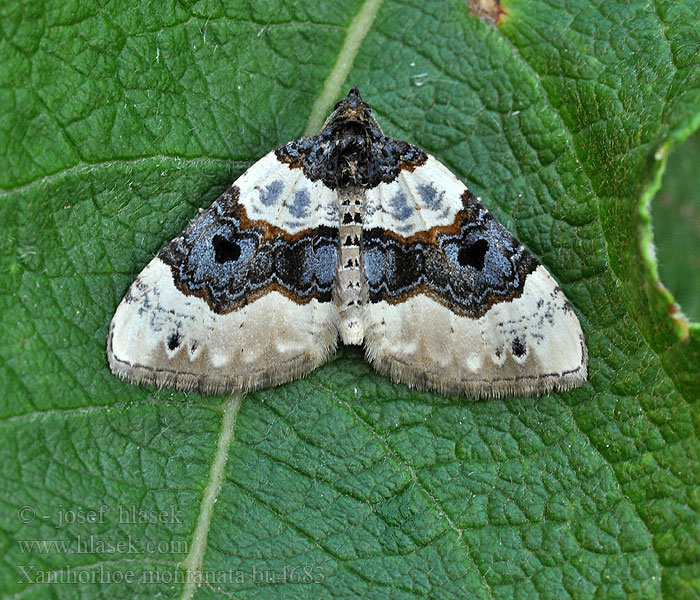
x: 351, y: 114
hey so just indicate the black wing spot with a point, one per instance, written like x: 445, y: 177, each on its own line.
x: 225, y: 250
x: 519, y: 347
x: 173, y: 340
x: 473, y: 255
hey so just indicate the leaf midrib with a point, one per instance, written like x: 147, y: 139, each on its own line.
x: 193, y: 561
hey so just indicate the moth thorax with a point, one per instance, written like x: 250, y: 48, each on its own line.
x: 352, y: 160
x: 350, y: 291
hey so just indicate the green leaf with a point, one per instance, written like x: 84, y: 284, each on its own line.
x: 676, y: 219
x: 120, y: 119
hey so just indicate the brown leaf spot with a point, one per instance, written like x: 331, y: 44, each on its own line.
x: 488, y: 10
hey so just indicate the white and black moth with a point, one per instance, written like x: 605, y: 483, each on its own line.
x: 356, y: 234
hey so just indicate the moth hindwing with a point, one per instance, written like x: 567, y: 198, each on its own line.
x: 350, y: 234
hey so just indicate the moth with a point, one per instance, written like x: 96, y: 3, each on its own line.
x: 354, y: 235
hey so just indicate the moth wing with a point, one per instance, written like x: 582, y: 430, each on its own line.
x: 455, y: 303
x: 242, y: 299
